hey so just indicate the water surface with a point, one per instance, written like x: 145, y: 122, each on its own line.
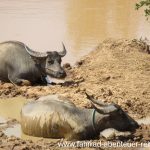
x: 80, y: 24
x: 10, y: 109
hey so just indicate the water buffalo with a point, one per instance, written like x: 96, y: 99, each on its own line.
x: 21, y: 65
x: 54, y: 116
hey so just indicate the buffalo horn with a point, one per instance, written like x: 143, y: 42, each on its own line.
x: 98, y: 102
x: 34, y: 53
x: 63, y: 53
x: 102, y: 107
x: 105, y: 110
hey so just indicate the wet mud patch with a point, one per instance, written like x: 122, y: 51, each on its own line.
x: 9, y: 127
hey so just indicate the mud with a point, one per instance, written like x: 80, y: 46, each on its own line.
x: 116, y: 71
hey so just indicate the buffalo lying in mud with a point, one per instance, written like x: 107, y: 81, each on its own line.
x: 23, y: 66
x: 56, y: 117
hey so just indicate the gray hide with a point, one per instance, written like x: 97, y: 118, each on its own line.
x: 56, y: 117
x: 21, y: 65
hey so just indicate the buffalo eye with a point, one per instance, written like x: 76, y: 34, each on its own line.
x: 59, y: 60
x: 50, y: 61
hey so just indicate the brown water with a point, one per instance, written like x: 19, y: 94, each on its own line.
x: 10, y: 109
x: 80, y: 24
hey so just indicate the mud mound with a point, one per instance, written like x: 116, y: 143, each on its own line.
x: 118, y: 71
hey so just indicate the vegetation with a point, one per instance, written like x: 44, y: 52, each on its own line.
x: 146, y: 5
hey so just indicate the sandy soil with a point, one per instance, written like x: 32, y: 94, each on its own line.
x: 116, y: 71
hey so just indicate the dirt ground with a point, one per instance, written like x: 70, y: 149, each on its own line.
x: 116, y: 71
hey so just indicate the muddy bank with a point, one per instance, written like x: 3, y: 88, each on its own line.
x: 116, y: 71
x: 142, y: 135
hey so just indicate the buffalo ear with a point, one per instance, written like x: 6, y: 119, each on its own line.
x: 49, y: 53
x: 37, y: 60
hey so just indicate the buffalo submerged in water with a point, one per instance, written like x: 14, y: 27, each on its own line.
x: 23, y: 66
x: 54, y: 116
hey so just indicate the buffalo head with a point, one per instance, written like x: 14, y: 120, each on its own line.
x: 49, y: 62
x: 112, y: 116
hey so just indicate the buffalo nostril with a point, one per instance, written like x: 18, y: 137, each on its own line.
x: 133, y: 125
x: 62, y: 73
x: 136, y: 125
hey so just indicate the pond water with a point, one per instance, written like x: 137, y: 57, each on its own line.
x: 80, y: 24
x: 10, y: 109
